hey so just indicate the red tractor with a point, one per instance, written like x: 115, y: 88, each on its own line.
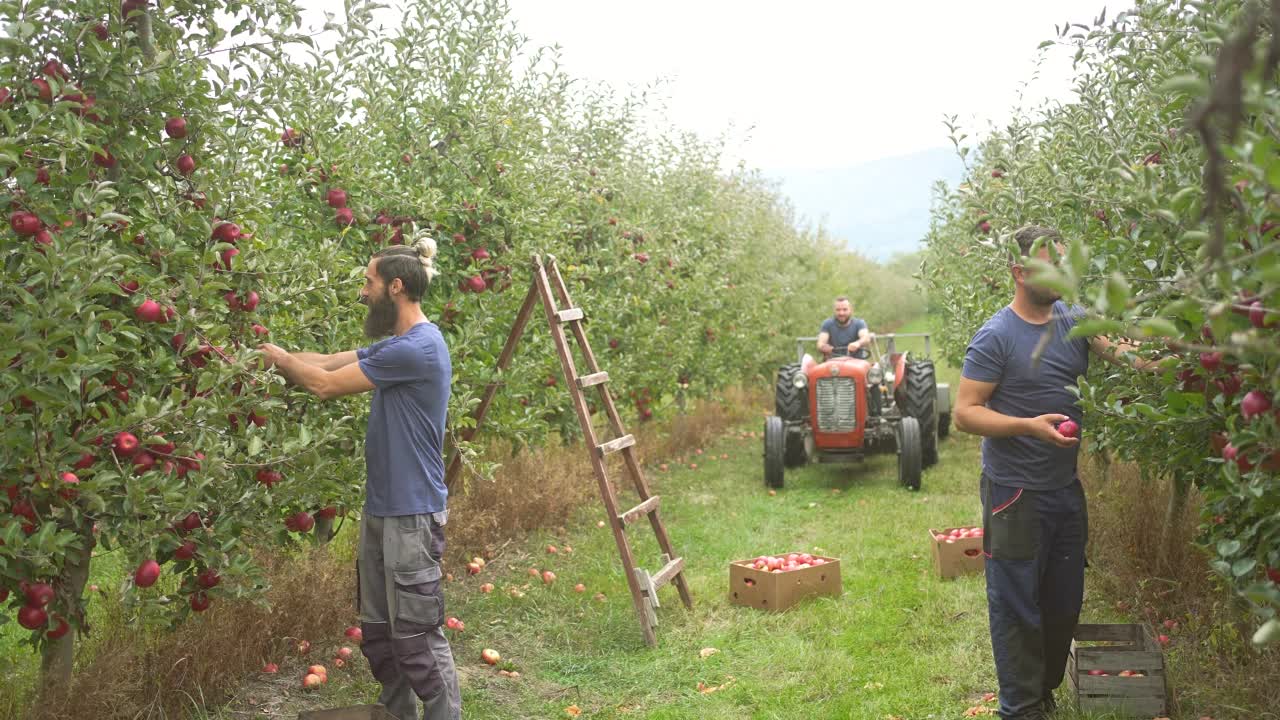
x: 845, y: 408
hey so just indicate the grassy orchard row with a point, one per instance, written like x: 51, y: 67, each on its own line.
x: 166, y: 218
x: 1121, y: 172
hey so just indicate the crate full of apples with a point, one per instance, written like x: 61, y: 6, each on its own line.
x: 957, y: 551
x: 1118, y: 669
x: 776, y: 582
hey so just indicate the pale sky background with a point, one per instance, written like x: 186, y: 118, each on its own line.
x: 809, y: 87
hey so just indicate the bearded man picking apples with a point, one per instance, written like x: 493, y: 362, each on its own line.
x: 402, y: 525
x: 1035, y: 524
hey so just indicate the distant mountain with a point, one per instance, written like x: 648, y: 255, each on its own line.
x: 880, y: 207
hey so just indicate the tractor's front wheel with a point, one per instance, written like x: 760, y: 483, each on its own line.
x: 909, y: 453
x: 775, y: 438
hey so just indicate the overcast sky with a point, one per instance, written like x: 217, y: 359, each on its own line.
x: 811, y: 83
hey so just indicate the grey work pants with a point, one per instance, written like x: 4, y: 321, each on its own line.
x: 401, y: 613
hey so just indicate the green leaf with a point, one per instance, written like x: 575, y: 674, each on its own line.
x: 1243, y: 566
x: 1190, y: 84
x: 1228, y: 548
x: 1117, y: 292
x: 1159, y: 327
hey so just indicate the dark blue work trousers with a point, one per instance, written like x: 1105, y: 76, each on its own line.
x: 1034, y: 541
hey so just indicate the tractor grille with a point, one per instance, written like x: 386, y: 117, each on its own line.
x: 837, y: 404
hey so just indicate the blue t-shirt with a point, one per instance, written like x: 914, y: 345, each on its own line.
x: 1001, y: 353
x: 842, y: 335
x: 403, y: 452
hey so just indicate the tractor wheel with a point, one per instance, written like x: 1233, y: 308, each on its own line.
x: 790, y: 402
x: 944, y: 424
x: 909, y: 449
x: 774, y: 442
x: 921, y: 399
x: 794, y: 454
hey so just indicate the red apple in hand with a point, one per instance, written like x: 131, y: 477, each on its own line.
x: 1069, y: 429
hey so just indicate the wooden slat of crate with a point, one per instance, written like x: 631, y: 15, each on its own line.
x: 1149, y: 686
x: 1112, y: 633
x: 1103, y: 659
x: 1137, y: 707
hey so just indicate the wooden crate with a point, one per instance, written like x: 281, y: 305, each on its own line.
x: 1112, y: 649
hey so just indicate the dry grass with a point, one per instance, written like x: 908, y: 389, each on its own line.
x: 1157, y: 573
x: 540, y: 488
x: 128, y: 672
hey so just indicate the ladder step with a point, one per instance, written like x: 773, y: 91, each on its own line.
x: 668, y: 572
x: 639, y: 511
x: 569, y: 315
x: 613, y: 446
x: 587, y: 381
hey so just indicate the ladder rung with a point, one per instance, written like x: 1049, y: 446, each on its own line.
x: 613, y: 446
x: 639, y: 511
x: 569, y: 315
x: 668, y: 572
x: 587, y: 381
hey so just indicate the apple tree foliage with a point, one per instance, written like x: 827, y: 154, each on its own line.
x: 1163, y: 174
x: 186, y: 179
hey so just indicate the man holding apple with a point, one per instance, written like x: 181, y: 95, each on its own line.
x: 1034, y: 517
x: 401, y: 600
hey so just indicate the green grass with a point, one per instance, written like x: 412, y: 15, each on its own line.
x: 898, y: 642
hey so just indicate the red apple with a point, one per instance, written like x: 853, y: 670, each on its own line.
x: 43, y: 91
x: 327, y: 512
x: 473, y: 568
x: 256, y: 419
x: 146, y: 574
x: 104, y: 159
x: 984, y: 226
x: 208, y: 578
x: 337, y: 198
x: 486, y: 588
x: 548, y: 577
x: 200, y: 601
x: 345, y: 653
x: 36, y: 594
x: 1069, y: 429
x: 291, y: 138
x: 1255, y: 403
x: 60, y: 628
x: 149, y: 311
x: 551, y: 550
x: 1163, y: 640
x: 185, y: 551
x: 250, y: 301
x: 479, y: 254
x: 490, y: 656
x: 344, y: 217
x: 579, y: 588
x: 227, y: 232
x: 260, y: 330
x: 311, y: 681
x: 125, y: 444
x: 1257, y: 314
x: 1210, y: 360
x: 355, y: 633
x: 32, y: 618
x: 24, y: 223
x: 176, y: 127
x: 185, y: 164
x: 271, y: 668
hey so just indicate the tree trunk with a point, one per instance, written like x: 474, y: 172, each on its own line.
x: 324, y: 530
x: 1172, y: 515
x: 59, y: 655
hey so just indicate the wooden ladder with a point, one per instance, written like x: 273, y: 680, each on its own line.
x: 547, y: 286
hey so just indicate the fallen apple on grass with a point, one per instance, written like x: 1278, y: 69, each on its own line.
x: 490, y: 656
x: 355, y: 634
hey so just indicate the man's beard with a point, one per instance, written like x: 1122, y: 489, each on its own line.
x: 1041, y: 296
x: 383, y: 316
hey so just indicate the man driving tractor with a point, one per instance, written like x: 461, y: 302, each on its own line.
x: 844, y: 334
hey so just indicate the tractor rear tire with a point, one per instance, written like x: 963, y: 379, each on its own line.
x: 909, y: 450
x: 790, y: 402
x: 920, y: 403
x: 775, y: 437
